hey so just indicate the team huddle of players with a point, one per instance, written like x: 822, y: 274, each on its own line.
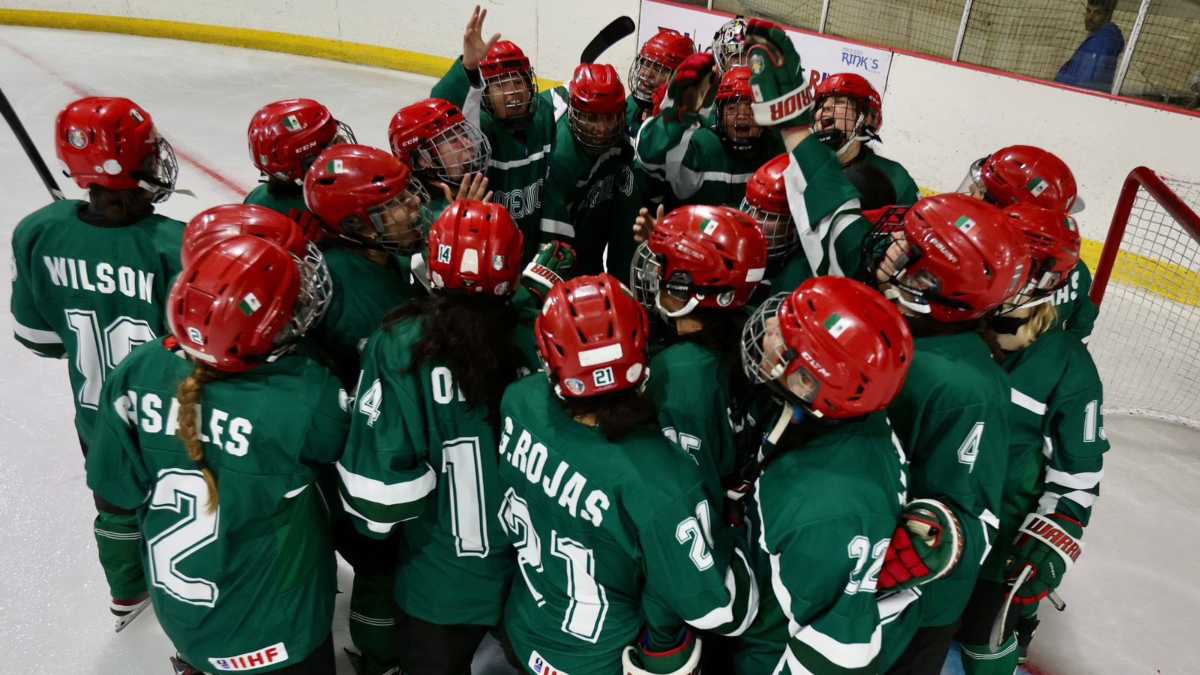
x: 685, y: 379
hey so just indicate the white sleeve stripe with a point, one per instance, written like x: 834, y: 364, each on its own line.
x: 850, y: 656
x: 374, y: 526
x: 518, y: 163
x: 843, y: 221
x: 723, y: 615
x: 1028, y: 402
x: 1049, y: 501
x: 36, y: 336
x: 558, y: 227
x: 1074, y: 481
x: 388, y: 494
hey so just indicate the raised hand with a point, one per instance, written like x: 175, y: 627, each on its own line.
x: 474, y: 47
x: 643, y: 225
x: 474, y: 186
x: 777, y: 77
x: 693, y: 84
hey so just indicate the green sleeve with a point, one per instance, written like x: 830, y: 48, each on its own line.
x: 30, y: 327
x: 385, y: 474
x: 454, y: 85
x: 566, y: 175
x: 692, y: 566
x: 1076, y: 442
x: 826, y: 210
x: 1082, y: 317
x: 678, y: 151
x: 115, y: 470
x: 821, y: 574
x: 329, y: 421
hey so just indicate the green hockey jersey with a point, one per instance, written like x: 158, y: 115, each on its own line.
x: 417, y: 448
x: 1076, y: 311
x: 250, y: 585
x: 90, y: 294
x: 609, y: 537
x: 1056, y: 438
x: 952, y: 419
x: 520, y: 159
x: 692, y: 160
x: 903, y: 184
x: 823, y: 513
x: 261, y: 196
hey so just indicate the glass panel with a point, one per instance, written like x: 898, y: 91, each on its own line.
x: 1166, y: 60
x: 798, y: 13
x: 926, y: 26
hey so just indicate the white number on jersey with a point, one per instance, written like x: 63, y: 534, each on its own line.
x: 968, y: 452
x: 697, y: 530
x: 369, y: 402
x: 1091, y: 422
x: 97, y: 353
x: 184, y: 492
x: 861, y: 550
x: 460, y: 461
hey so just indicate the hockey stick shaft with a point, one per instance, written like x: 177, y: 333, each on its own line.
x: 611, y: 34
x: 30, y: 149
x: 997, y: 636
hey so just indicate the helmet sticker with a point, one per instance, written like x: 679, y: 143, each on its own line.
x: 194, y: 335
x: 249, y: 304
x: 633, y: 373
x: 576, y: 386
x: 292, y: 124
x: 837, y: 324
x: 112, y: 167
x: 444, y: 253
x: 137, y: 116
x: 964, y: 223
x: 77, y: 138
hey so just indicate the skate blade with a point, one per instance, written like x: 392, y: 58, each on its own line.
x: 125, y: 619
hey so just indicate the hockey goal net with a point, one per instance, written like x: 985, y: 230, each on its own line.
x: 1146, y: 340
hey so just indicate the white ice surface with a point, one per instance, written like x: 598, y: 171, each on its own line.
x: 1132, y: 599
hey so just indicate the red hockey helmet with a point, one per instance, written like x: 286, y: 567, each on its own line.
x: 286, y: 136
x: 952, y: 258
x: 1024, y: 173
x: 736, y: 126
x: 852, y: 85
x: 734, y: 85
x: 597, y: 106
x: 234, y: 307
x: 702, y: 256
x: 365, y: 195
x: 112, y: 143
x: 592, y: 336
x: 475, y: 247
x: 766, y: 202
x: 1053, y: 241
x: 434, y: 138
x: 219, y: 223
x: 505, y: 63
x: 729, y: 45
x: 834, y: 345
x: 656, y: 60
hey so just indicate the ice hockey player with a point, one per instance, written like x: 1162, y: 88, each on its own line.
x: 1025, y: 173
x: 699, y: 164
x: 212, y: 435
x: 949, y: 262
x: 285, y: 138
x: 616, y: 541
x: 90, y: 281
x: 831, y: 478
x: 441, y: 146
x: 428, y: 397
x: 697, y: 272
x: 651, y: 69
x: 849, y: 115
x: 519, y: 122
x: 1056, y: 446
x: 766, y: 202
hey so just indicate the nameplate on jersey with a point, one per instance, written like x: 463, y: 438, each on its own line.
x: 267, y: 656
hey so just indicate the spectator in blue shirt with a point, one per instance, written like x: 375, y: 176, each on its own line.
x: 1094, y: 64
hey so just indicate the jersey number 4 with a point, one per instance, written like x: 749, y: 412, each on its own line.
x: 98, y: 352
x: 184, y: 492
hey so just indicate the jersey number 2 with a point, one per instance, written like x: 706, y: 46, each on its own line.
x: 97, y: 352
x: 184, y: 492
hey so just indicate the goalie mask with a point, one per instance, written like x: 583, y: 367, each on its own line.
x: 285, y: 137
x: 655, y: 62
x: 833, y: 346
x: 847, y: 109
x: 710, y: 257
x: 112, y: 143
x: 735, y: 118
x: 367, y: 197
x: 597, y: 107
x: 434, y: 138
x: 509, y: 84
x: 949, y: 257
x: 1023, y: 173
x: 729, y: 45
x: 766, y: 202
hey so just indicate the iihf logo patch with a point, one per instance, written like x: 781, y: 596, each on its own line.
x: 540, y: 666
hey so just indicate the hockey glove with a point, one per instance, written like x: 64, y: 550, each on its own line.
x: 645, y: 659
x: 926, y: 546
x: 552, y: 260
x: 781, y: 96
x: 692, y: 87
x: 1050, y: 546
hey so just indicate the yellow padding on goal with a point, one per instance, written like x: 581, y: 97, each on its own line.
x: 1169, y: 280
x: 249, y: 38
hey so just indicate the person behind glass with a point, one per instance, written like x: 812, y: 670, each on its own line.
x: 1094, y: 63
x: 213, y: 436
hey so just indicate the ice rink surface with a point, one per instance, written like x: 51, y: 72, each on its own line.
x: 1132, y: 600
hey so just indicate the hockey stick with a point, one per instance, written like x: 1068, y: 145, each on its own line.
x: 996, y: 638
x: 613, y: 33
x: 27, y: 145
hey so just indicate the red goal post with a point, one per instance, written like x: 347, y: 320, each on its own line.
x: 1146, y: 341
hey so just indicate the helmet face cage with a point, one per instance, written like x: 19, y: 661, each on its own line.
x: 518, y: 105
x: 456, y: 151
x: 316, y: 289
x: 892, y: 256
x: 159, y: 178
x: 596, y: 132
x: 741, y: 113
x: 644, y: 276
x: 778, y: 229
x: 381, y: 222
x: 972, y: 183
x: 767, y: 359
x: 646, y: 75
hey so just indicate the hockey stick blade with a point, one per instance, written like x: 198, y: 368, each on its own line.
x: 31, y: 151
x: 613, y: 33
x: 996, y: 637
